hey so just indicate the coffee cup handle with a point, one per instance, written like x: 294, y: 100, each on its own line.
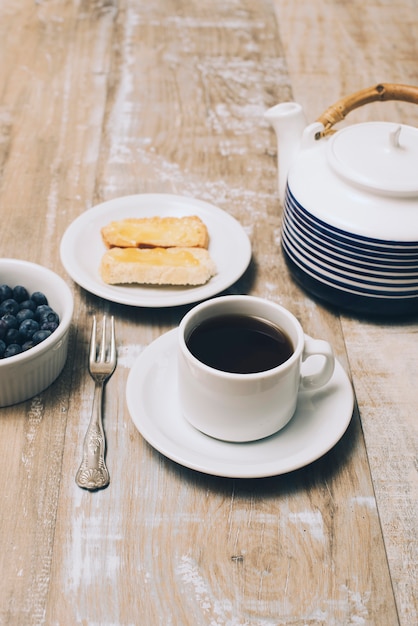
x: 313, y: 378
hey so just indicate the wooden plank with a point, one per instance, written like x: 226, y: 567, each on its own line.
x: 334, y: 49
x: 50, y: 134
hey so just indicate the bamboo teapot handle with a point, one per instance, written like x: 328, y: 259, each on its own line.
x: 381, y: 92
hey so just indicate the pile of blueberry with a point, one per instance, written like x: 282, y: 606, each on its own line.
x: 25, y: 320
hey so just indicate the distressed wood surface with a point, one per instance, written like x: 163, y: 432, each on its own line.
x: 342, y: 47
x: 105, y: 99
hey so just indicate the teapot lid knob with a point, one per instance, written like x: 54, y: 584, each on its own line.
x: 377, y: 156
x: 394, y: 137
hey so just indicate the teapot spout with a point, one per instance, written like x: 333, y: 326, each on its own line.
x: 289, y: 122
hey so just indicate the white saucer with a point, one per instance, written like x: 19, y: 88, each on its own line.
x: 320, y: 420
x: 82, y: 248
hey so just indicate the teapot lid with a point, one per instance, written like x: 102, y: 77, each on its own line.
x: 380, y: 157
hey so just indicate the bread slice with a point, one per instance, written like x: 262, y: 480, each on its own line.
x: 157, y: 266
x: 162, y: 232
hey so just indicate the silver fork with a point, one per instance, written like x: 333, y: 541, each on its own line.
x: 92, y: 473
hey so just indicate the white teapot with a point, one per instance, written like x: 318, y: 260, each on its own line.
x: 350, y: 228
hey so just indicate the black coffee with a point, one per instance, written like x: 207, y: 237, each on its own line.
x: 240, y: 344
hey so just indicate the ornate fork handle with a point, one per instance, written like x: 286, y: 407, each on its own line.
x: 93, y: 473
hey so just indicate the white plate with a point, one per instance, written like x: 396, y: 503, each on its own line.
x: 82, y: 248
x: 320, y: 420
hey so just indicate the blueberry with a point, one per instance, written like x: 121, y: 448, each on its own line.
x: 39, y: 298
x: 25, y: 320
x: 42, y: 310
x: 13, y: 336
x: 20, y: 293
x: 24, y: 314
x: 5, y: 292
x: 9, y: 306
x: 27, y: 304
x: 49, y: 326
x: 40, y: 335
x: 27, y: 328
x: 13, y: 349
x: 10, y: 320
x: 50, y: 316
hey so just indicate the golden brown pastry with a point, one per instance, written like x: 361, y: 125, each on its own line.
x: 162, y: 232
x: 157, y: 266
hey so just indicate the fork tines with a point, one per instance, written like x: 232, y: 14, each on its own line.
x: 101, y: 354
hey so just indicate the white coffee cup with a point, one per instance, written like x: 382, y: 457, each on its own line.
x: 247, y: 406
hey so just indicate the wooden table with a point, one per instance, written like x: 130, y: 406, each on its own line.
x: 105, y: 99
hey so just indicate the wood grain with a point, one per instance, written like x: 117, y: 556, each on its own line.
x: 347, y: 47
x: 105, y: 99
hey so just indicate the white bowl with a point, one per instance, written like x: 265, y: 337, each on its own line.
x: 25, y: 375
